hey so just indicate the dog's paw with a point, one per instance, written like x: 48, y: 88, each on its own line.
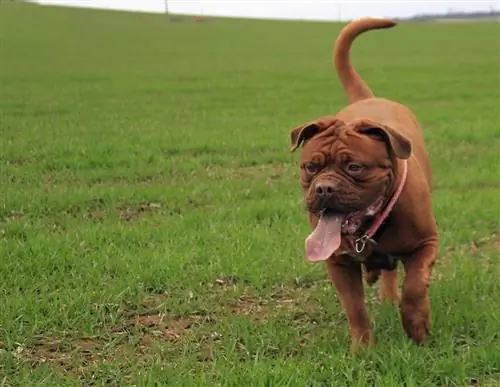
x: 416, y: 321
x: 358, y: 346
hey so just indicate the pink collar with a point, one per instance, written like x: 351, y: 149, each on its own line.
x: 361, y: 242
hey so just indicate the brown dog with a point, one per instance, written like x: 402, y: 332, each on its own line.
x: 367, y: 186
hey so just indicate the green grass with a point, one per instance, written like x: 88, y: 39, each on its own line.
x: 151, y: 221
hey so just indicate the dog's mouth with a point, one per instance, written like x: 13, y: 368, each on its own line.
x: 326, y: 237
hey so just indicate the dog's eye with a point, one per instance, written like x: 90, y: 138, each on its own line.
x: 311, y: 168
x: 354, y: 168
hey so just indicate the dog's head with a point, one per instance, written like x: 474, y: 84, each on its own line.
x: 346, y: 167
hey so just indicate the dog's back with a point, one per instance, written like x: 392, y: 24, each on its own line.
x: 396, y: 116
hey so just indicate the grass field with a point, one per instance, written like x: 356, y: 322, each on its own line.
x: 151, y: 221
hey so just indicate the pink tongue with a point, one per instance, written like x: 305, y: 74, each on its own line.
x: 325, y: 239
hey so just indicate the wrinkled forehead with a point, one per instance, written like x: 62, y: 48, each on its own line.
x: 345, y: 143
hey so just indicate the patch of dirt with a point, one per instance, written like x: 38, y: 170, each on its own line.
x: 148, y: 327
x: 199, y: 206
x: 484, y: 249
x: 298, y: 303
x: 226, y: 282
x: 135, y: 339
x: 257, y: 309
x: 152, y: 323
x: 13, y: 216
x: 158, y: 326
x: 286, y: 298
x: 88, y: 209
x: 63, y: 355
x: 96, y: 209
x: 154, y: 301
x: 18, y: 162
x: 134, y: 212
x: 490, y: 242
x: 481, y: 249
x: 267, y: 172
x: 487, y: 243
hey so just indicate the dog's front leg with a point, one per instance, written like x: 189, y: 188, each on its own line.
x: 415, y: 304
x: 347, y: 279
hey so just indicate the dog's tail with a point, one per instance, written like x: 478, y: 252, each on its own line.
x: 354, y: 86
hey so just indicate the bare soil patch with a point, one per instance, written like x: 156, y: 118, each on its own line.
x: 148, y: 328
x: 18, y: 162
x: 96, y: 209
x: 264, y: 172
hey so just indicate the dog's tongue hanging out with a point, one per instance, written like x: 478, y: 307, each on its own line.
x: 325, y: 239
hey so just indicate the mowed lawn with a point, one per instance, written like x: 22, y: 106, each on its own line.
x: 151, y: 220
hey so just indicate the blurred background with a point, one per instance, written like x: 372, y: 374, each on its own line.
x: 298, y: 9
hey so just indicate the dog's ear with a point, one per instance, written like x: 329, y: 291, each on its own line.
x: 398, y: 143
x: 301, y: 134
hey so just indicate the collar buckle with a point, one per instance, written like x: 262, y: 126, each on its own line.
x: 360, y: 243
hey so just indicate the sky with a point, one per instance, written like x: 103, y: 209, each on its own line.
x: 289, y: 9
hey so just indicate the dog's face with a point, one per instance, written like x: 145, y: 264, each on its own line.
x: 346, y: 167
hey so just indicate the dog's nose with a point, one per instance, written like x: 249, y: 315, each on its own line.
x: 325, y: 189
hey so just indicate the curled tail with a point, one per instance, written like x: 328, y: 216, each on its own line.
x: 354, y: 86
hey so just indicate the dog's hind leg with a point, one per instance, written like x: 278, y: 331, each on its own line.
x: 383, y: 267
x: 388, y: 291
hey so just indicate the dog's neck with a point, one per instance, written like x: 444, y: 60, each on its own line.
x: 379, y: 210
x: 390, y: 205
